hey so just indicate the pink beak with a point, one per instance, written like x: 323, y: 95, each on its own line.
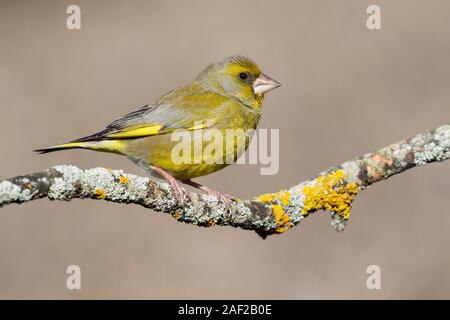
x: 264, y: 84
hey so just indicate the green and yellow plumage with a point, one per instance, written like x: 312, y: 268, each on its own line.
x: 218, y: 99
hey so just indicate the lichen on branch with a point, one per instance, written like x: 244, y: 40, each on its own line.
x: 333, y: 190
x: 332, y: 193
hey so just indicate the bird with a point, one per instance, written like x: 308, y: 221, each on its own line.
x: 226, y: 96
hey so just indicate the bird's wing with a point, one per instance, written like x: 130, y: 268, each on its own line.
x: 186, y: 112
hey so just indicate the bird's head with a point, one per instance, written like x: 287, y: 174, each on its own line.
x: 240, y: 78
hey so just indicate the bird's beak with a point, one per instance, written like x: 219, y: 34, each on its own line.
x: 264, y: 84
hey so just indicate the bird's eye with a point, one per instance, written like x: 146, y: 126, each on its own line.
x: 243, y: 76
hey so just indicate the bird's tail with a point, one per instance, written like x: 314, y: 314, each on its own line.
x: 114, y: 146
x: 65, y: 146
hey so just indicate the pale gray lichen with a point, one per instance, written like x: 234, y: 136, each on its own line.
x: 63, y: 188
x: 98, y: 178
x: 43, y: 180
x: 442, y: 136
x: 135, y: 188
x: 165, y: 203
x: 351, y: 168
x: 432, y: 147
x: 430, y: 152
x: 205, y: 209
x: 338, y: 222
x: 296, y: 202
x: 10, y: 192
x: 241, y: 213
x: 421, y: 139
x: 399, y: 155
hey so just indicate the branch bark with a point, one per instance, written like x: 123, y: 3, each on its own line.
x: 332, y: 190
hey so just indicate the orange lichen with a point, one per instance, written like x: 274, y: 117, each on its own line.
x: 374, y: 173
x: 123, y: 180
x: 100, y: 194
x: 265, y: 197
x: 176, y: 215
x: 277, y: 201
x: 282, y: 220
x: 282, y: 196
x: 377, y: 158
x: 30, y: 186
x: 377, y: 165
x: 331, y: 193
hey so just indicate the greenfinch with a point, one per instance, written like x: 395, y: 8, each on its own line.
x: 225, y: 95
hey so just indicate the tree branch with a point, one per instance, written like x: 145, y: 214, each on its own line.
x: 333, y: 190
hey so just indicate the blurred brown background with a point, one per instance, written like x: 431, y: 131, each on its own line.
x: 346, y: 91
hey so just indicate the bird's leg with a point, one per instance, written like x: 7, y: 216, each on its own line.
x: 218, y: 194
x: 180, y: 192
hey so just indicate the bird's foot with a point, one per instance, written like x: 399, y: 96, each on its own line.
x: 180, y: 192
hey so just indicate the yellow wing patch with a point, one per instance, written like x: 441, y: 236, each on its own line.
x: 137, y: 131
x: 198, y: 126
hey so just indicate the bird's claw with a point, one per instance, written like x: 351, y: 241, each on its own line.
x: 181, y: 193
